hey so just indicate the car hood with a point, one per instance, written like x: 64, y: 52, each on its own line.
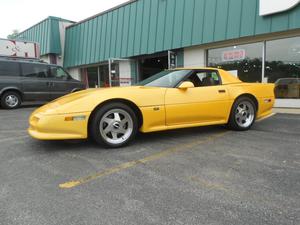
x: 87, y: 100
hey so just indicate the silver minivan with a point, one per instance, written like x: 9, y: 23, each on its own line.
x: 33, y: 81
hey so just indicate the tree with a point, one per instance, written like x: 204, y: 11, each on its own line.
x: 14, y: 34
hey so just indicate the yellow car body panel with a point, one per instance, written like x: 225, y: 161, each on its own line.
x: 196, y: 104
x: 161, y: 108
x: 54, y: 127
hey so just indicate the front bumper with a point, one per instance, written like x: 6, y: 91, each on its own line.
x: 56, y: 127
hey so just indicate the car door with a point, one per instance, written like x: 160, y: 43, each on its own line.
x: 61, y: 82
x: 35, y: 82
x: 10, y: 76
x: 207, y: 102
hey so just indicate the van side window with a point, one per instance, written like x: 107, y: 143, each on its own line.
x: 58, y: 73
x: 34, y: 70
x: 10, y: 69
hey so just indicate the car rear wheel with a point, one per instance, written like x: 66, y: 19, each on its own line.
x: 10, y: 100
x: 243, y: 114
x: 114, y: 125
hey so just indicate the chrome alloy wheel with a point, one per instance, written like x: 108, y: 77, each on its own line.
x: 244, y: 114
x: 116, y: 126
x: 11, y: 101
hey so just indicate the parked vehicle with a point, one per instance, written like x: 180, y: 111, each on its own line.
x: 172, y: 99
x: 20, y: 49
x: 22, y: 80
x: 287, y: 88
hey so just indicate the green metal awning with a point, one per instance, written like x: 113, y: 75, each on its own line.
x: 147, y: 26
x: 46, y: 33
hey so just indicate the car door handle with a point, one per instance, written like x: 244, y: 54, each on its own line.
x: 222, y: 91
x: 50, y: 84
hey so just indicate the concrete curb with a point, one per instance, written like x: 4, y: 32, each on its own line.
x: 286, y: 111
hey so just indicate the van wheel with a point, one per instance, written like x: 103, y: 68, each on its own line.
x: 114, y: 125
x: 11, y: 100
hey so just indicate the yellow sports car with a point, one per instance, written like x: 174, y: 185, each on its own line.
x: 171, y: 99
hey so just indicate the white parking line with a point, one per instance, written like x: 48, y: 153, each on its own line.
x: 13, y: 131
x: 165, y: 153
x: 264, y: 118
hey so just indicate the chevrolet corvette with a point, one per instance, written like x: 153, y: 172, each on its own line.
x: 171, y: 99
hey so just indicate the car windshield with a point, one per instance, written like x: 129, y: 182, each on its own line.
x: 168, y: 79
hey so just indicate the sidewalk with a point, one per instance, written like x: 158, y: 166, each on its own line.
x: 287, y: 110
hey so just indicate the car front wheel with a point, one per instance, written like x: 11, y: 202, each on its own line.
x: 114, y: 125
x: 243, y: 114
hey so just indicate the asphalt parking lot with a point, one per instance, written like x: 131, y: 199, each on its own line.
x: 194, y: 176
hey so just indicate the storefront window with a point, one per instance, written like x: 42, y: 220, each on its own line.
x: 283, y: 66
x: 244, y: 61
x: 99, y: 76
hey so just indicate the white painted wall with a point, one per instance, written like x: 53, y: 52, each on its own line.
x: 59, y: 60
x: 194, y: 57
x: 75, y: 73
x: 125, y: 73
x: 45, y: 58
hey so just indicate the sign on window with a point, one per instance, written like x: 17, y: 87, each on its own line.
x: 233, y: 55
x: 172, y: 60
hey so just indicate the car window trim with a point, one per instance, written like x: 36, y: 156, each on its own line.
x: 28, y: 63
x: 184, y: 78
x: 195, y: 70
x: 69, y: 77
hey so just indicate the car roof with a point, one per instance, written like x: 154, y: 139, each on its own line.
x: 32, y: 61
x: 196, y: 68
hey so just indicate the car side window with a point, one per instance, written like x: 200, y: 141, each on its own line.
x: 10, y: 69
x: 205, y: 78
x: 58, y: 73
x: 35, y: 70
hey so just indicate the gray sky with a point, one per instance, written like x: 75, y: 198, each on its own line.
x: 21, y: 14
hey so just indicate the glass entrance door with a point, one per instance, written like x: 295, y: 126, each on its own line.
x: 92, y: 77
x: 115, y: 74
x: 151, y: 66
x: 104, y: 76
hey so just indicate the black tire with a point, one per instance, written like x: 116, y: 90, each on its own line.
x: 95, y: 130
x: 235, y: 123
x: 13, y: 95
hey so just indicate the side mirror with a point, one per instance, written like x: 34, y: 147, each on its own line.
x: 186, y: 85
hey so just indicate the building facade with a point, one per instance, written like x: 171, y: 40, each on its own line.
x: 257, y: 40
x: 50, y: 34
